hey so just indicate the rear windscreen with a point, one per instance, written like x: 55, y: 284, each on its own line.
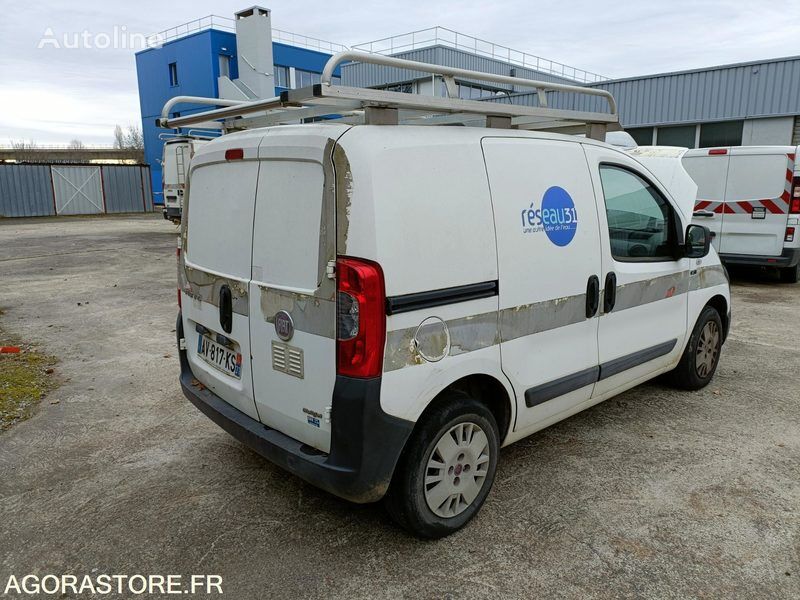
x: 220, y: 217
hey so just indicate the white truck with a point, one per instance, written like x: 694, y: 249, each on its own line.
x: 378, y: 308
x: 749, y: 196
x: 176, y: 154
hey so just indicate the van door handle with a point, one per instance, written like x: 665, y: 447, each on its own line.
x: 703, y: 213
x: 226, y: 309
x: 610, y: 292
x: 592, y: 296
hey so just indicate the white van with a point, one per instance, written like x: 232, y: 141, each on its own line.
x: 176, y: 154
x: 378, y: 309
x: 749, y: 196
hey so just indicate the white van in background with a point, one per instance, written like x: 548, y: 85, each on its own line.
x: 176, y: 154
x: 749, y: 196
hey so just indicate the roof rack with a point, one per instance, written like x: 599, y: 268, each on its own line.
x: 381, y: 107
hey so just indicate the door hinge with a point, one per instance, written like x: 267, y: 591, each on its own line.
x: 182, y: 344
x: 330, y: 269
x: 327, y: 414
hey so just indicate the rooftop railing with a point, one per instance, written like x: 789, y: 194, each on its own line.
x: 441, y: 36
x: 228, y: 24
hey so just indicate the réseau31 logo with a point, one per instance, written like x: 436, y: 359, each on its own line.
x: 557, y: 217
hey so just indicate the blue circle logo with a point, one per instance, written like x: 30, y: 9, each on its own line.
x: 559, y: 216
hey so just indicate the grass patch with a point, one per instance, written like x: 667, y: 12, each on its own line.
x: 24, y: 381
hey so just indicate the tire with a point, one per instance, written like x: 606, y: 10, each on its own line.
x: 449, y: 435
x: 701, y: 356
x: 790, y: 274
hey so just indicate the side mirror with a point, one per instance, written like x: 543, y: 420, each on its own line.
x: 698, y: 241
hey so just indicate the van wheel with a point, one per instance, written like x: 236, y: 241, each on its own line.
x: 448, y: 469
x: 701, y: 357
x: 790, y: 274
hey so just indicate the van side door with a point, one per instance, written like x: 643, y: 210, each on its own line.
x: 548, y: 264
x: 645, y: 287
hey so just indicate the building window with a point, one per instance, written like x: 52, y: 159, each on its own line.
x: 679, y: 135
x: 470, y: 91
x: 281, y: 76
x: 726, y: 133
x: 224, y: 65
x: 404, y: 88
x: 173, y: 74
x: 305, y: 78
x: 641, y: 135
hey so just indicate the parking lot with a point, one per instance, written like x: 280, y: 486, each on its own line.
x: 655, y: 493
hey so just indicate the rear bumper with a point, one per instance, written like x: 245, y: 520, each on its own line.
x: 172, y: 213
x: 788, y: 258
x: 365, y: 442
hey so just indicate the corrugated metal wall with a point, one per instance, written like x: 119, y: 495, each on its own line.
x: 123, y: 189
x: 743, y: 91
x: 41, y: 190
x: 25, y: 191
x: 369, y: 75
x: 796, y: 134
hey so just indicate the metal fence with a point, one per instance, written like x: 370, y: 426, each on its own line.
x: 47, y: 190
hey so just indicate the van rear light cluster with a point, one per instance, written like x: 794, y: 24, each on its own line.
x: 717, y: 151
x: 360, y: 318
x: 789, y: 237
x: 234, y: 154
x: 794, y: 199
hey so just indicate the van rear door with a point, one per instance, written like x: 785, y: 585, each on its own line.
x: 756, y: 202
x: 292, y: 296
x: 216, y: 261
x: 709, y: 169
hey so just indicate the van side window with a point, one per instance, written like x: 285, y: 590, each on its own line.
x: 639, y: 217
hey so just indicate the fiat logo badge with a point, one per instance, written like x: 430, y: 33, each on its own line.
x: 284, y: 326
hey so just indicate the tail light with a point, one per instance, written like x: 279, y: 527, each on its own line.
x: 717, y: 151
x: 361, y: 318
x: 178, y: 259
x: 794, y: 200
x: 789, y: 235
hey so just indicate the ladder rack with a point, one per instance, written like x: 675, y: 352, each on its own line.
x: 381, y: 107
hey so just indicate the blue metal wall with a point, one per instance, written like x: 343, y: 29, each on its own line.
x: 197, y: 60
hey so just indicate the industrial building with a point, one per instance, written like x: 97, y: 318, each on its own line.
x: 740, y: 104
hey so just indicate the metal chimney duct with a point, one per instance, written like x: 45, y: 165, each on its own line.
x: 254, y: 52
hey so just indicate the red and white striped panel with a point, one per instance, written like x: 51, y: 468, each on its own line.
x: 775, y: 206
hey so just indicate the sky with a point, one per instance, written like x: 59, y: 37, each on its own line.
x: 52, y: 95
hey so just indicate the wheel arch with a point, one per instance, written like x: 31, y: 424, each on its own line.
x: 485, y: 388
x: 720, y: 304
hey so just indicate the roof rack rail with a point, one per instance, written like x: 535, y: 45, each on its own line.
x: 381, y: 107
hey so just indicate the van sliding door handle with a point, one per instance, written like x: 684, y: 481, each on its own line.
x: 592, y: 296
x: 610, y: 292
x: 226, y: 309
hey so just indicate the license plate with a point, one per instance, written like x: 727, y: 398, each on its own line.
x: 217, y: 355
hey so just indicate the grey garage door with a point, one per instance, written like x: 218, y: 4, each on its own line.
x: 78, y: 190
